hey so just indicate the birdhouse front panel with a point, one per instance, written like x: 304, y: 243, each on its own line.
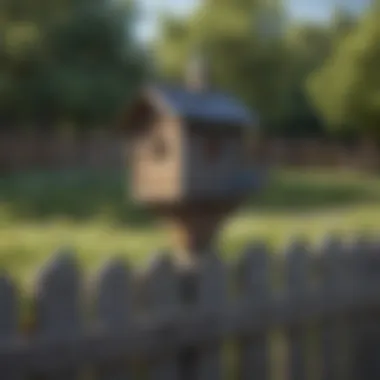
x: 155, y: 158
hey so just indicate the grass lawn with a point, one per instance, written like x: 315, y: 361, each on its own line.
x: 90, y: 212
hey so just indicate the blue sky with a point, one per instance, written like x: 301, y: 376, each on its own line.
x: 300, y: 9
x: 151, y: 9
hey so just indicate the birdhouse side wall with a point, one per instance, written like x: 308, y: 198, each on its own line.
x: 157, y: 163
x: 212, y: 161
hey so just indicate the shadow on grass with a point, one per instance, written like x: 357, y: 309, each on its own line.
x: 79, y: 196
x: 83, y: 195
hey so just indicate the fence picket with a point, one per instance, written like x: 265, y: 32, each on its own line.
x: 188, y: 355
x: 297, y: 275
x: 254, y: 289
x: 350, y: 277
x: 359, y: 318
x: 372, y: 273
x: 366, y: 327
x: 333, y: 289
x: 212, y: 299
x: 162, y: 298
x: 58, y: 308
x: 374, y: 284
x: 9, y: 325
x: 114, y: 313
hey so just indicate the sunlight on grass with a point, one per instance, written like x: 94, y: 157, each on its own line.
x: 34, y: 223
x: 89, y: 213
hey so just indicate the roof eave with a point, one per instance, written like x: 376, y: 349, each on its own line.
x: 155, y: 97
x: 160, y: 102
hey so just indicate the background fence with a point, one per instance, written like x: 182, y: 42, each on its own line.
x: 102, y: 149
x: 212, y: 322
x: 26, y: 151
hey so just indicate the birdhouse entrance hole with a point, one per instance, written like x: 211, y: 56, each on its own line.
x: 159, y: 147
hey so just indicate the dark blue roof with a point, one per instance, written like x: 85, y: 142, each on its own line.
x: 206, y: 105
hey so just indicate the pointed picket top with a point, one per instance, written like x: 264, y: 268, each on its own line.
x: 363, y: 237
x: 373, y: 264
x: 332, y: 248
x: 333, y: 283
x: 333, y: 262
x: 365, y: 244
x: 254, y: 289
x: 113, y: 267
x: 332, y: 244
x: 297, y: 265
x: 297, y: 277
x: 161, y: 284
x: 254, y: 253
x: 57, y: 295
x: 361, y: 245
x: 9, y: 319
x: 360, y: 328
x: 158, y: 260
x: 253, y: 270
x: 62, y: 264
x: 8, y: 307
x: 113, y: 293
x: 212, y: 298
x: 359, y: 250
x: 162, y: 296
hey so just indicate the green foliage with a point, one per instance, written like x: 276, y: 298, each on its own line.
x: 258, y: 55
x: 42, y: 211
x: 346, y: 89
x: 78, y: 65
x: 306, y: 46
x: 230, y: 34
x: 76, y: 62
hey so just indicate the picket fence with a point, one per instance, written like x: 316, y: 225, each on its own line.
x: 211, y: 322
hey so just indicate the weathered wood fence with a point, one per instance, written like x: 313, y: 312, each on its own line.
x: 173, y: 324
x: 102, y: 149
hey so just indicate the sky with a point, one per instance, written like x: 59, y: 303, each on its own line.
x: 316, y: 10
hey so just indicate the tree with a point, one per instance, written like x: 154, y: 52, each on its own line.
x: 244, y: 59
x: 307, y: 46
x: 346, y: 89
x: 66, y: 60
x: 343, y: 22
x: 94, y: 64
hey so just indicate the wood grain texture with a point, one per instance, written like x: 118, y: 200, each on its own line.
x: 198, y: 314
x: 255, y: 291
x: 297, y: 277
x: 114, y: 313
x: 58, y: 308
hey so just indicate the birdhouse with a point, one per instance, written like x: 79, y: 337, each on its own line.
x: 188, y: 149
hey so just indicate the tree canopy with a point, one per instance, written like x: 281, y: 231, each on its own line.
x: 258, y: 54
x: 66, y: 61
x: 75, y: 62
x: 346, y: 89
x: 231, y: 34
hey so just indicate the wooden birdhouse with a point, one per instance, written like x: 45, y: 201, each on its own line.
x: 187, y: 148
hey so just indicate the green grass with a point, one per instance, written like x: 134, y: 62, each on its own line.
x: 90, y: 212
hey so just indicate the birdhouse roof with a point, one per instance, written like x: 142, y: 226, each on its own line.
x: 208, y: 106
